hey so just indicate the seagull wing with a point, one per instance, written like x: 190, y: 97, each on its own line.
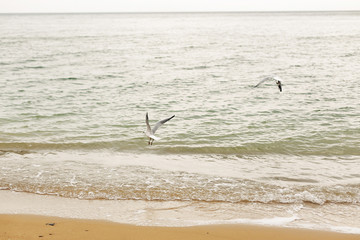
x: 265, y: 79
x: 148, y: 128
x: 159, y: 123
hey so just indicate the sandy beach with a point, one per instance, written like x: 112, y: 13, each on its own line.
x: 44, y: 227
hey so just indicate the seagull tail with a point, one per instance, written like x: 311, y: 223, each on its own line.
x: 154, y: 137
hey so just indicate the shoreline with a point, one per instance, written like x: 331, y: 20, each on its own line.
x: 171, y: 214
x: 16, y: 226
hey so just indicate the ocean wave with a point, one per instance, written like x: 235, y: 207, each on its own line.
x: 245, y: 192
x: 125, y: 177
x: 138, y: 144
x: 264, y: 148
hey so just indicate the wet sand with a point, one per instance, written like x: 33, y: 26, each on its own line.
x: 14, y: 226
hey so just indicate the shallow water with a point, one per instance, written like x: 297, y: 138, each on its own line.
x: 76, y: 87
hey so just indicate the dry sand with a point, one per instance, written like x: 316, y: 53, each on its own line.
x: 13, y: 226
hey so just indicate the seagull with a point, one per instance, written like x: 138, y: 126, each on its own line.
x: 150, y: 132
x: 277, y: 81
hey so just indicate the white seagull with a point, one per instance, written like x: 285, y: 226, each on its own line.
x: 150, y: 132
x: 276, y: 79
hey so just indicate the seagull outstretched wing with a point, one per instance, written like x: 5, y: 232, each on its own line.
x: 148, y: 128
x: 159, y: 123
x: 274, y: 78
x: 265, y: 79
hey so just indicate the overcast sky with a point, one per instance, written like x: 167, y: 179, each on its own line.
x: 21, y: 6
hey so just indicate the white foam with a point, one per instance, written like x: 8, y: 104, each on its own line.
x: 276, y: 221
x: 344, y: 229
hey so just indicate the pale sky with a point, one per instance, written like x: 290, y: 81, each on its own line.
x: 40, y: 6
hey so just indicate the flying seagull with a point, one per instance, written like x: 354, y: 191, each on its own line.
x: 150, y: 132
x: 276, y: 79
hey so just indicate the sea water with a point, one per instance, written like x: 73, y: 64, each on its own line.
x: 75, y: 89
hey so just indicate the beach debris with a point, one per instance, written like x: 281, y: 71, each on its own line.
x: 50, y: 224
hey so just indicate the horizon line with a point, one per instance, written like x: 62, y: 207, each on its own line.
x: 182, y: 12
